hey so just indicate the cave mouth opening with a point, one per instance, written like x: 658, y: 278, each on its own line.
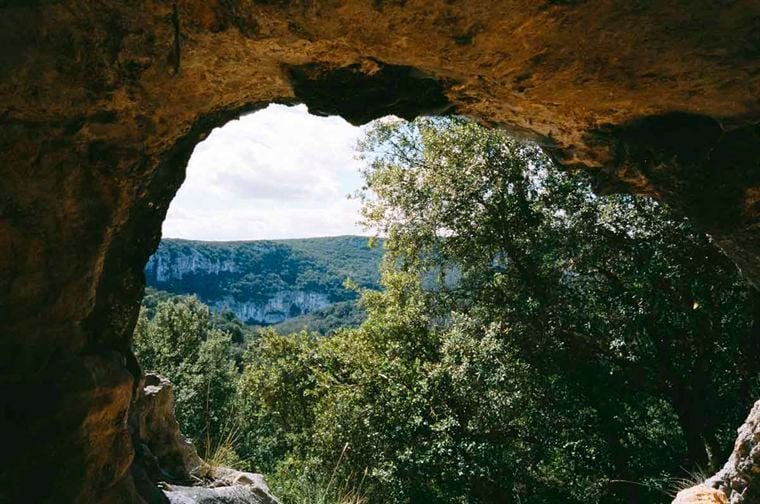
x: 260, y: 236
x: 271, y: 188
x: 244, y: 198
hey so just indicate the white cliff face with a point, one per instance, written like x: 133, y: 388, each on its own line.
x: 275, y: 309
x: 168, y: 268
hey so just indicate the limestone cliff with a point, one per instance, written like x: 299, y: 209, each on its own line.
x: 281, y: 306
x: 265, y: 282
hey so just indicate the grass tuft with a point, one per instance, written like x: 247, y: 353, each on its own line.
x: 299, y: 483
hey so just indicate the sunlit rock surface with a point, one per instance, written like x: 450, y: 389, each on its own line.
x: 739, y: 477
x: 102, y: 102
x: 236, y: 494
x: 254, y: 308
x: 282, y: 305
x: 700, y: 495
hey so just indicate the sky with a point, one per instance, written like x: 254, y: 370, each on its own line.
x: 276, y: 173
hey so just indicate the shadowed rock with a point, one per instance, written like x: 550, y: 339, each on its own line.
x: 169, y: 460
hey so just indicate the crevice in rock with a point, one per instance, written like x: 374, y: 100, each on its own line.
x: 365, y: 91
x: 698, y: 167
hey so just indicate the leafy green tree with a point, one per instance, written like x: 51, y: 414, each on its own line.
x: 276, y: 397
x: 181, y: 343
x: 532, y: 342
x: 614, y: 300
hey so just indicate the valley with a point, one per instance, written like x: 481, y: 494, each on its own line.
x: 294, y: 282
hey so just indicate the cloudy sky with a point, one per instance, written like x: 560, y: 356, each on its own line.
x: 277, y: 173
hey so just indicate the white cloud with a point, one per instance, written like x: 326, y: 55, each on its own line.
x: 277, y: 173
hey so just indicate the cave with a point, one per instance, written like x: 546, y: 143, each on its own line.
x: 101, y: 105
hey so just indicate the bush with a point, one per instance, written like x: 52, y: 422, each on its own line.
x: 181, y: 343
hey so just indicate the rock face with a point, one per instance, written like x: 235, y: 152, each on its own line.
x: 166, y: 458
x: 738, y: 478
x: 275, y: 309
x: 101, y: 104
x: 165, y: 268
x: 168, y: 455
x: 190, y: 268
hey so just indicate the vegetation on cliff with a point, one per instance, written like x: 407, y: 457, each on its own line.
x: 590, y: 349
x: 254, y: 270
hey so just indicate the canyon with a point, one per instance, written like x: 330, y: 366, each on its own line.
x: 266, y: 282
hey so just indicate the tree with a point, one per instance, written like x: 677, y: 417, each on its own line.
x: 181, y: 343
x: 276, y: 397
x: 626, y: 305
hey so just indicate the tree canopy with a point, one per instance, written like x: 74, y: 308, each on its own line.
x: 531, y: 342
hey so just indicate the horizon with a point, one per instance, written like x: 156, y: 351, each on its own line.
x: 325, y: 237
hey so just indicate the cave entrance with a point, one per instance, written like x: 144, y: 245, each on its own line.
x: 261, y: 236
x: 265, y: 227
x: 246, y: 235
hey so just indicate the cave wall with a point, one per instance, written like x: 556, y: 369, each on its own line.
x: 102, y: 102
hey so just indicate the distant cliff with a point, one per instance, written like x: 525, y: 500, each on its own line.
x: 265, y: 282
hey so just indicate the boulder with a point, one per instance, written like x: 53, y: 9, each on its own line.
x: 236, y: 494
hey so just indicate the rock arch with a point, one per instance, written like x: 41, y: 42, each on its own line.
x: 101, y: 104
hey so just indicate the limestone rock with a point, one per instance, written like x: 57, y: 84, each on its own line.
x: 231, y: 477
x: 236, y: 494
x: 700, y: 494
x: 157, y: 429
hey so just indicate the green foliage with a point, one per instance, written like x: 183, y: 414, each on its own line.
x: 225, y: 322
x: 276, y: 397
x: 326, y: 321
x: 181, y: 343
x: 625, y: 314
x: 297, y: 482
x: 531, y: 342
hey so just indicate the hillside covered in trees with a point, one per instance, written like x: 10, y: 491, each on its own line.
x: 590, y: 349
x: 266, y: 282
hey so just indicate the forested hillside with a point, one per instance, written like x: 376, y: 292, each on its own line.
x: 266, y: 282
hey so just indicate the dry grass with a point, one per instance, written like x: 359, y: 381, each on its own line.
x: 692, y: 478
x: 306, y: 486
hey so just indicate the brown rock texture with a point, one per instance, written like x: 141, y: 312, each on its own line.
x: 102, y: 102
x: 738, y: 478
x: 700, y: 494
